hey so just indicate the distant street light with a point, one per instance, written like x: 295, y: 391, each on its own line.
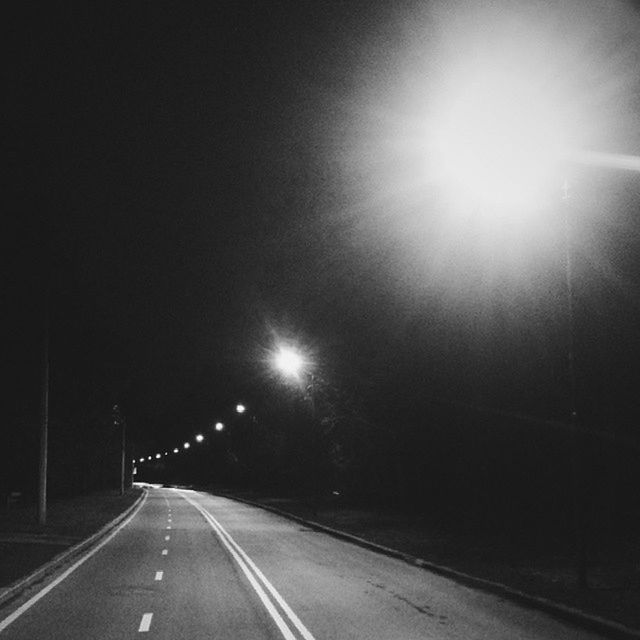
x: 186, y: 445
x: 219, y: 426
x: 149, y: 458
x: 176, y: 450
x: 199, y: 438
x: 240, y: 408
x: 158, y: 456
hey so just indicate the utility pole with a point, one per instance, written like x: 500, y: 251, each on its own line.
x: 578, y: 465
x: 118, y: 420
x: 122, y: 457
x: 44, y: 414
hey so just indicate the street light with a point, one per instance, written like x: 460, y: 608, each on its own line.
x: 176, y: 450
x: 506, y: 134
x: 186, y: 445
x: 219, y: 426
x: 289, y: 361
x: 199, y: 438
x: 240, y: 408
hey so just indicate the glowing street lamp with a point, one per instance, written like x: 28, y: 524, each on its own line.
x: 500, y: 148
x: 219, y: 426
x: 289, y: 361
x: 199, y: 438
x: 240, y: 408
x: 496, y: 131
x: 186, y: 445
x: 176, y: 450
x: 158, y: 456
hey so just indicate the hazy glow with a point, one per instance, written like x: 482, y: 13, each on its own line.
x: 240, y: 408
x: 176, y: 450
x: 186, y: 445
x: 611, y: 160
x: 219, y: 426
x: 463, y: 133
x: 141, y: 460
x: 149, y: 458
x: 158, y: 456
x: 499, y: 141
x: 199, y: 438
x: 288, y: 361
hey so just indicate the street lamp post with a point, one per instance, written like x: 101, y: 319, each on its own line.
x: 486, y: 140
x: 292, y: 364
x: 118, y: 420
x: 577, y: 432
x: 44, y: 417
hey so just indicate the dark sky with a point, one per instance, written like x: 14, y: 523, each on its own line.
x: 175, y: 161
x: 200, y: 178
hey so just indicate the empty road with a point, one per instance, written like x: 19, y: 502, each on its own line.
x: 188, y: 565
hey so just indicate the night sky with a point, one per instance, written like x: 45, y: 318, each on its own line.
x: 197, y: 180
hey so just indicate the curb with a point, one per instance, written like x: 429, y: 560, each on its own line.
x: 564, y: 612
x: 16, y: 588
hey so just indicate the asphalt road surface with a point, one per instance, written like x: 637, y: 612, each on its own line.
x: 188, y: 565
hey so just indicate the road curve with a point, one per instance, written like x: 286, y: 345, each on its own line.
x: 191, y: 565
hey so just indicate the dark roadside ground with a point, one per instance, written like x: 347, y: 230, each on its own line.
x: 25, y: 545
x: 540, y: 564
x: 543, y: 568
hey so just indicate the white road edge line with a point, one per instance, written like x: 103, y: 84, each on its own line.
x: 245, y: 562
x: 145, y: 623
x: 159, y: 575
x: 29, y: 603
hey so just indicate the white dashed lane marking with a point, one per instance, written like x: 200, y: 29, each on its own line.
x: 159, y: 575
x: 165, y: 552
x: 145, y: 623
x: 167, y: 537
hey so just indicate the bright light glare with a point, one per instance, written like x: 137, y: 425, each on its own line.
x: 176, y: 450
x: 240, y: 408
x: 288, y: 361
x: 141, y: 460
x: 500, y: 140
x: 219, y: 426
x: 158, y: 456
x: 149, y: 458
x: 186, y: 445
x: 199, y: 438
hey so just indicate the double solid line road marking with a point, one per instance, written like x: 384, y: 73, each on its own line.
x: 284, y: 617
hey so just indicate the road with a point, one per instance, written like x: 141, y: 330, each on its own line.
x: 188, y: 565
